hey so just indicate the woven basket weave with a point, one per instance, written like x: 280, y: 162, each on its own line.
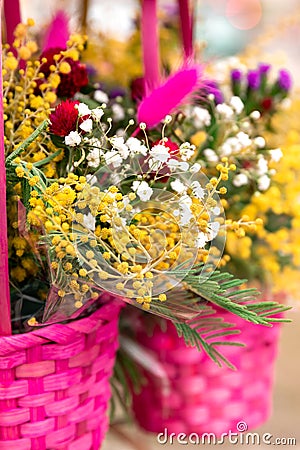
x: 201, y: 397
x: 54, y: 383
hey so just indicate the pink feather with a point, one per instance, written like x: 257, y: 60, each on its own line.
x: 58, y: 32
x: 169, y: 96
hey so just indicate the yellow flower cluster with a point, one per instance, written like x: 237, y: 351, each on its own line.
x: 92, y: 241
x: 28, y: 97
x: 277, y: 244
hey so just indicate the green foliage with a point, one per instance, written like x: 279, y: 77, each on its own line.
x: 126, y: 377
x: 196, y: 298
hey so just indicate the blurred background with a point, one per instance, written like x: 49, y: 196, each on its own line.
x: 270, y: 27
x: 264, y: 30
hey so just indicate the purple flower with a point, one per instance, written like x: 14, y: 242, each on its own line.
x: 236, y: 75
x: 264, y: 68
x: 117, y: 92
x: 253, y: 78
x: 284, y: 80
x: 211, y: 87
x: 91, y: 71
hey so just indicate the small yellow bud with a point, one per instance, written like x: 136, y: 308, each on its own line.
x: 149, y: 275
x: 78, y: 304
x: 64, y: 67
x: 24, y: 52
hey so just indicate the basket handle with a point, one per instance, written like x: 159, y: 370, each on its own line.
x: 150, y: 40
x: 5, y: 319
x: 150, y: 44
x: 12, y: 14
x: 186, y: 21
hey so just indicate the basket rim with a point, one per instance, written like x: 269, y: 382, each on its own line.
x: 61, y: 333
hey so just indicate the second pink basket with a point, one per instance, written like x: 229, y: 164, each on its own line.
x: 201, y: 397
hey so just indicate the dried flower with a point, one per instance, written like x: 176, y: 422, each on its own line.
x: 64, y: 119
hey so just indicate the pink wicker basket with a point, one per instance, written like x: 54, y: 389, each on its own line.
x: 201, y: 397
x: 54, y: 383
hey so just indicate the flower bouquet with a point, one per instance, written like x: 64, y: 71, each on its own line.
x: 96, y: 218
x: 227, y: 121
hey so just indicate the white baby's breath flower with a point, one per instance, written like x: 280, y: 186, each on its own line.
x: 262, y: 166
x: 136, y: 147
x: 216, y: 210
x: 113, y: 157
x: 214, y: 228
x: 276, y: 154
x: 225, y: 111
x: 244, y: 139
x: 94, y: 142
x: 186, y: 200
x: 178, y: 186
x: 260, y: 142
x: 198, y: 191
x: 240, y: 179
x: 86, y: 125
x: 118, y: 112
x: 201, y: 117
x: 231, y: 146
x: 91, y: 179
x: 211, y: 155
x: 237, y: 104
x: 160, y: 153
x: 183, y: 166
x: 255, y: 115
x: 119, y: 144
x: 263, y: 182
x: 83, y: 109
x: 97, y: 114
x: 195, y: 168
x: 100, y: 96
x: 186, y: 150
x: 174, y: 164
x: 201, y: 240
x: 73, y: 139
x: 143, y: 190
x: 93, y: 157
x: 185, y: 214
x: 89, y: 221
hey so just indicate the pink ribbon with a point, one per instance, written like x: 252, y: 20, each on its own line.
x: 12, y: 14
x: 150, y: 44
x: 5, y: 320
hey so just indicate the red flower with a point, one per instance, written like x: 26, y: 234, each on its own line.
x: 138, y: 89
x: 72, y: 82
x: 69, y: 83
x: 267, y: 104
x: 172, y: 146
x: 64, y: 118
x: 49, y: 55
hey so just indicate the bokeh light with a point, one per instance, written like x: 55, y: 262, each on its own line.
x: 244, y: 14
